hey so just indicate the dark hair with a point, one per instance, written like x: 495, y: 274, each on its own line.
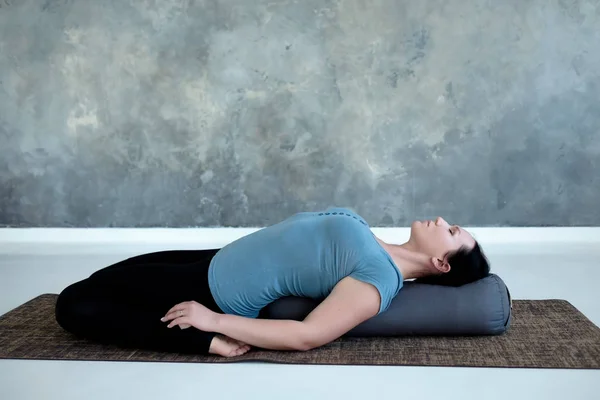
x: 466, y: 266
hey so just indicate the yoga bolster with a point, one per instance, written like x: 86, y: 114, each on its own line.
x: 479, y: 308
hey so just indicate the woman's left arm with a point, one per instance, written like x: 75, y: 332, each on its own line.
x: 350, y: 303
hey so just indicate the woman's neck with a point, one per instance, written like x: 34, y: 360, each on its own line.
x: 410, y: 262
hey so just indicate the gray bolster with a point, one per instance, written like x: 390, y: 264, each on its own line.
x: 479, y: 308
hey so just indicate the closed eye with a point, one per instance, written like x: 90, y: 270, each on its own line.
x: 454, y: 230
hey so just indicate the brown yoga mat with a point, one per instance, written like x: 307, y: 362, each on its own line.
x: 543, y: 334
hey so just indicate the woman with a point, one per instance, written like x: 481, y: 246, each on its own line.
x: 208, y: 301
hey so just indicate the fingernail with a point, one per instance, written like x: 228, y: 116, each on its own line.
x: 162, y: 319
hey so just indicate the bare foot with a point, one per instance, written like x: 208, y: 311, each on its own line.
x: 227, y: 347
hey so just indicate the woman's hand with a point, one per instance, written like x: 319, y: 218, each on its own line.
x: 191, y: 313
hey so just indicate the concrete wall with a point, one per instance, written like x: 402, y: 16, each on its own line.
x: 239, y: 113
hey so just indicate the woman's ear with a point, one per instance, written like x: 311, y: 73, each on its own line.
x: 440, y: 265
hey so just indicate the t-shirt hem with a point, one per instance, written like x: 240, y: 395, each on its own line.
x: 213, y: 289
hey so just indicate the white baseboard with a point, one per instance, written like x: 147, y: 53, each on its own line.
x: 23, y: 238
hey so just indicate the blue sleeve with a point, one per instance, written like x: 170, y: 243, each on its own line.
x: 383, y: 276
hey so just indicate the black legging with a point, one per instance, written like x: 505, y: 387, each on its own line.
x: 122, y: 304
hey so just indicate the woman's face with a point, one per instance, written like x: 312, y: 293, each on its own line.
x: 438, y: 238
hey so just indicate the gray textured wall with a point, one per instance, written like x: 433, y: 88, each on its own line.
x: 240, y: 113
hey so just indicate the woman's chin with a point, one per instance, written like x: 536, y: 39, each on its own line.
x: 414, y: 228
x: 416, y: 225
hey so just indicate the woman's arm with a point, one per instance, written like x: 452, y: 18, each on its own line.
x: 350, y: 303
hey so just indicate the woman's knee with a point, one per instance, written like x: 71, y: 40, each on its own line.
x: 72, y: 306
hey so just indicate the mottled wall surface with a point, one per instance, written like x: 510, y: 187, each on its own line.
x: 241, y: 113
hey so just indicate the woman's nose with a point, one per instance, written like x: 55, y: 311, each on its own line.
x: 440, y: 221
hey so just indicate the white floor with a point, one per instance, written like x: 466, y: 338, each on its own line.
x: 538, y: 271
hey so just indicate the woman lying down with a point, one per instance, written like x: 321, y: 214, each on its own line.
x: 208, y: 301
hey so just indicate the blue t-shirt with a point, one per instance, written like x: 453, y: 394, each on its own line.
x: 305, y: 255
